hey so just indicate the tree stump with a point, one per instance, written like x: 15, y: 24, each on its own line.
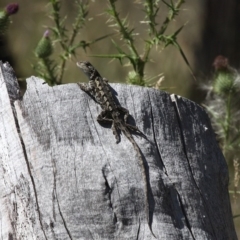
x: 64, y: 177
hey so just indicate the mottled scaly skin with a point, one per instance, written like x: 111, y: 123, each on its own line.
x: 99, y: 88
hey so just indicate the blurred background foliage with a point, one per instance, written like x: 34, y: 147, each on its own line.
x: 31, y: 21
x: 211, y: 29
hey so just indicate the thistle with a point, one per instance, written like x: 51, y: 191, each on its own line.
x: 44, y: 48
x: 10, y: 9
x: 224, y: 76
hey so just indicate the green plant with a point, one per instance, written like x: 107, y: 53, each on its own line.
x: 222, y: 103
x: 156, y: 36
x: 51, y: 70
x: 53, y: 73
x: 5, y: 14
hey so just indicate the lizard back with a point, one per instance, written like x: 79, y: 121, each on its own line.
x: 98, y: 86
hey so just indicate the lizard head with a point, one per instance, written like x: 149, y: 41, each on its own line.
x: 88, y: 69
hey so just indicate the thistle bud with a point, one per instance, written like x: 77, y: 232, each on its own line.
x: 224, y: 76
x: 44, y: 48
x: 10, y: 9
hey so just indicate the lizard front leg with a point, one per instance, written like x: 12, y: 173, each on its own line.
x: 87, y: 87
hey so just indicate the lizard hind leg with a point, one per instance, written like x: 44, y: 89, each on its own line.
x: 115, y: 132
x: 102, y: 117
x: 125, y: 112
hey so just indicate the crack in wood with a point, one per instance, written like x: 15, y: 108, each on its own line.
x: 29, y: 168
x: 178, y: 115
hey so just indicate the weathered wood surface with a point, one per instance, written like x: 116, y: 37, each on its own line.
x: 64, y: 177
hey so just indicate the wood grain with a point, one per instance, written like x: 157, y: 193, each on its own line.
x: 64, y: 177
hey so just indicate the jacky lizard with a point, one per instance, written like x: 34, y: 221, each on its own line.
x: 99, y: 88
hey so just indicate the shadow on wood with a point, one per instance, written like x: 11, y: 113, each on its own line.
x: 64, y: 177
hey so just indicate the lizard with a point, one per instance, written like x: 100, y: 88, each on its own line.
x: 99, y: 88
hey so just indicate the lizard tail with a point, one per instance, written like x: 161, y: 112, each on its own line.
x: 146, y: 190
x: 144, y: 175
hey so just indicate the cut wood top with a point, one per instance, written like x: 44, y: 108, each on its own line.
x: 82, y: 185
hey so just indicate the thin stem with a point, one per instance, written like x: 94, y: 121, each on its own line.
x: 170, y: 17
x: 47, y: 65
x: 76, y: 26
x: 62, y: 68
x: 56, y: 18
x: 123, y: 31
x: 78, y: 23
x: 150, y: 6
x: 227, y: 125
